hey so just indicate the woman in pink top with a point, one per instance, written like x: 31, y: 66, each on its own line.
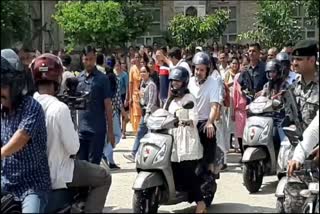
x: 239, y: 113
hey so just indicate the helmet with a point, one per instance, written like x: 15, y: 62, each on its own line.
x: 47, y: 67
x: 201, y: 58
x: 275, y: 66
x: 13, y: 75
x: 181, y: 74
x: 283, y: 56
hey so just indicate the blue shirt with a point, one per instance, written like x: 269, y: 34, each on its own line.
x: 26, y: 171
x: 124, y: 82
x: 93, y: 119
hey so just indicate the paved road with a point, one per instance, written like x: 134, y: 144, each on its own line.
x: 231, y: 195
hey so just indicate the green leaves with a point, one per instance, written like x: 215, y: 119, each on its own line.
x: 189, y: 31
x: 275, y: 25
x: 101, y: 23
x: 14, y: 22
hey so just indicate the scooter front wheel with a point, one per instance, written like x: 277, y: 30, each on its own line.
x: 253, y: 176
x: 146, y: 201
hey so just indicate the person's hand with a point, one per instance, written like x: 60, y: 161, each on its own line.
x: 292, y: 166
x: 111, y: 139
x: 125, y: 103
x: 315, y: 154
x: 209, y: 129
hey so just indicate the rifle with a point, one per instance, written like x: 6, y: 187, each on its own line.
x: 292, y: 124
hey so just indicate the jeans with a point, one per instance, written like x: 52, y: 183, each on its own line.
x: 35, y: 202
x: 142, y: 131
x: 91, y: 148
x: 108, y: 150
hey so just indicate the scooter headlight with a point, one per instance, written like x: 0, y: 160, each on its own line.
x: 264, y: 133
x: 159, y: 157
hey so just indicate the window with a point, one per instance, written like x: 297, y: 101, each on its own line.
x: 191, y: 11
x: 230, y: 34
x: 154, y: 29
x: 308, y: 27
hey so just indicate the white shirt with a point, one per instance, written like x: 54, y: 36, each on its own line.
x: 186, y: 144
x: 63, y: 140
x: 310, y: 140
x: 206, y: 94
x: 181, y: 63
x: 223, y: 71
x: 292, y: 77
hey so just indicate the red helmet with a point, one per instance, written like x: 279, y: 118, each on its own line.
x: 47, y: 67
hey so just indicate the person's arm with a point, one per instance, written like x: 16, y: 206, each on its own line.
x: 108, y: 110
x: 305, y: 147
x: 152, y: 98
x: 68, y: 135
x: 130, y: 86
x: 28, y: 127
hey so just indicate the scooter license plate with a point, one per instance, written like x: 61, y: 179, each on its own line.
x: 314, y: 187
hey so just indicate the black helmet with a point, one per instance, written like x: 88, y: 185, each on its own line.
x: 273, y: 65
x: 12, y: 75
x: 181, y: 74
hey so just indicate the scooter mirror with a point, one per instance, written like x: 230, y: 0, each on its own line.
x: 188, y: 105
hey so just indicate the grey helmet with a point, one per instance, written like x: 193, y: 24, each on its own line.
x: 283, y: 56
x: 13, y: 75
x: 274, y: 65
x: 201, y: 58
x: 179, y: 73
x: 285, y: 60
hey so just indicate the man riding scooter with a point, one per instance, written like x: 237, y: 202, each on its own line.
x: 63, y: 141
x: 187, y: 149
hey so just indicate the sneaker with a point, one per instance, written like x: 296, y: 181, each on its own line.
x: 129, y: 157
x: 113, y: 166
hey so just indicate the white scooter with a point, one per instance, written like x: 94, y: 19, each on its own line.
x: 154, y: 184
x: 259, y: 139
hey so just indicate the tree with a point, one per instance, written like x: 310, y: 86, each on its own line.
x: 189, y: 31
x: 312, y: 9
x: 14, y: 22
x: 275, y: 25
x: 100, y: 23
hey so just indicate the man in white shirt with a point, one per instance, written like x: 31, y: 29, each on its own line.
x: 175, y: 59
x: 63, y: 140
x: 223, y: 67
x: 305, y: 147
x: 207, y: 92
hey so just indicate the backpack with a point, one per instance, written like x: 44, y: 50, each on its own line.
x: 226, y: 99
x: 9, y: 204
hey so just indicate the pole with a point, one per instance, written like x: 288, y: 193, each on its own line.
x: 42, y: 24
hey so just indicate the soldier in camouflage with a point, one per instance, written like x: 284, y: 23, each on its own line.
x: 307, y: 96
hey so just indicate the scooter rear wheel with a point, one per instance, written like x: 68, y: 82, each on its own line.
x: 145, y: 201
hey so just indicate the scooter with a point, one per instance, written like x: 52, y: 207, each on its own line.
x: 259, y: 139
x: 154, y: 184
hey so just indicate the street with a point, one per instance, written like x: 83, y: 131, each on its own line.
x: 231, y: 195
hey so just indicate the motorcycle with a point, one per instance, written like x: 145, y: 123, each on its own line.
x: 259, y: 140
x: 154, y: 184
x: 308, y: 176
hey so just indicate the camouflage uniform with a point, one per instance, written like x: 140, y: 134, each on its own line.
x: 307, y: 96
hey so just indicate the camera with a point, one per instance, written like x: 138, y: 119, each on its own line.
x: 72, y: 98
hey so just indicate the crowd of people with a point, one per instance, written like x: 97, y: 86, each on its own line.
x: 221, y: 81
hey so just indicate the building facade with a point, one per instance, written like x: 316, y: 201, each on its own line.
x: 242, y: 15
